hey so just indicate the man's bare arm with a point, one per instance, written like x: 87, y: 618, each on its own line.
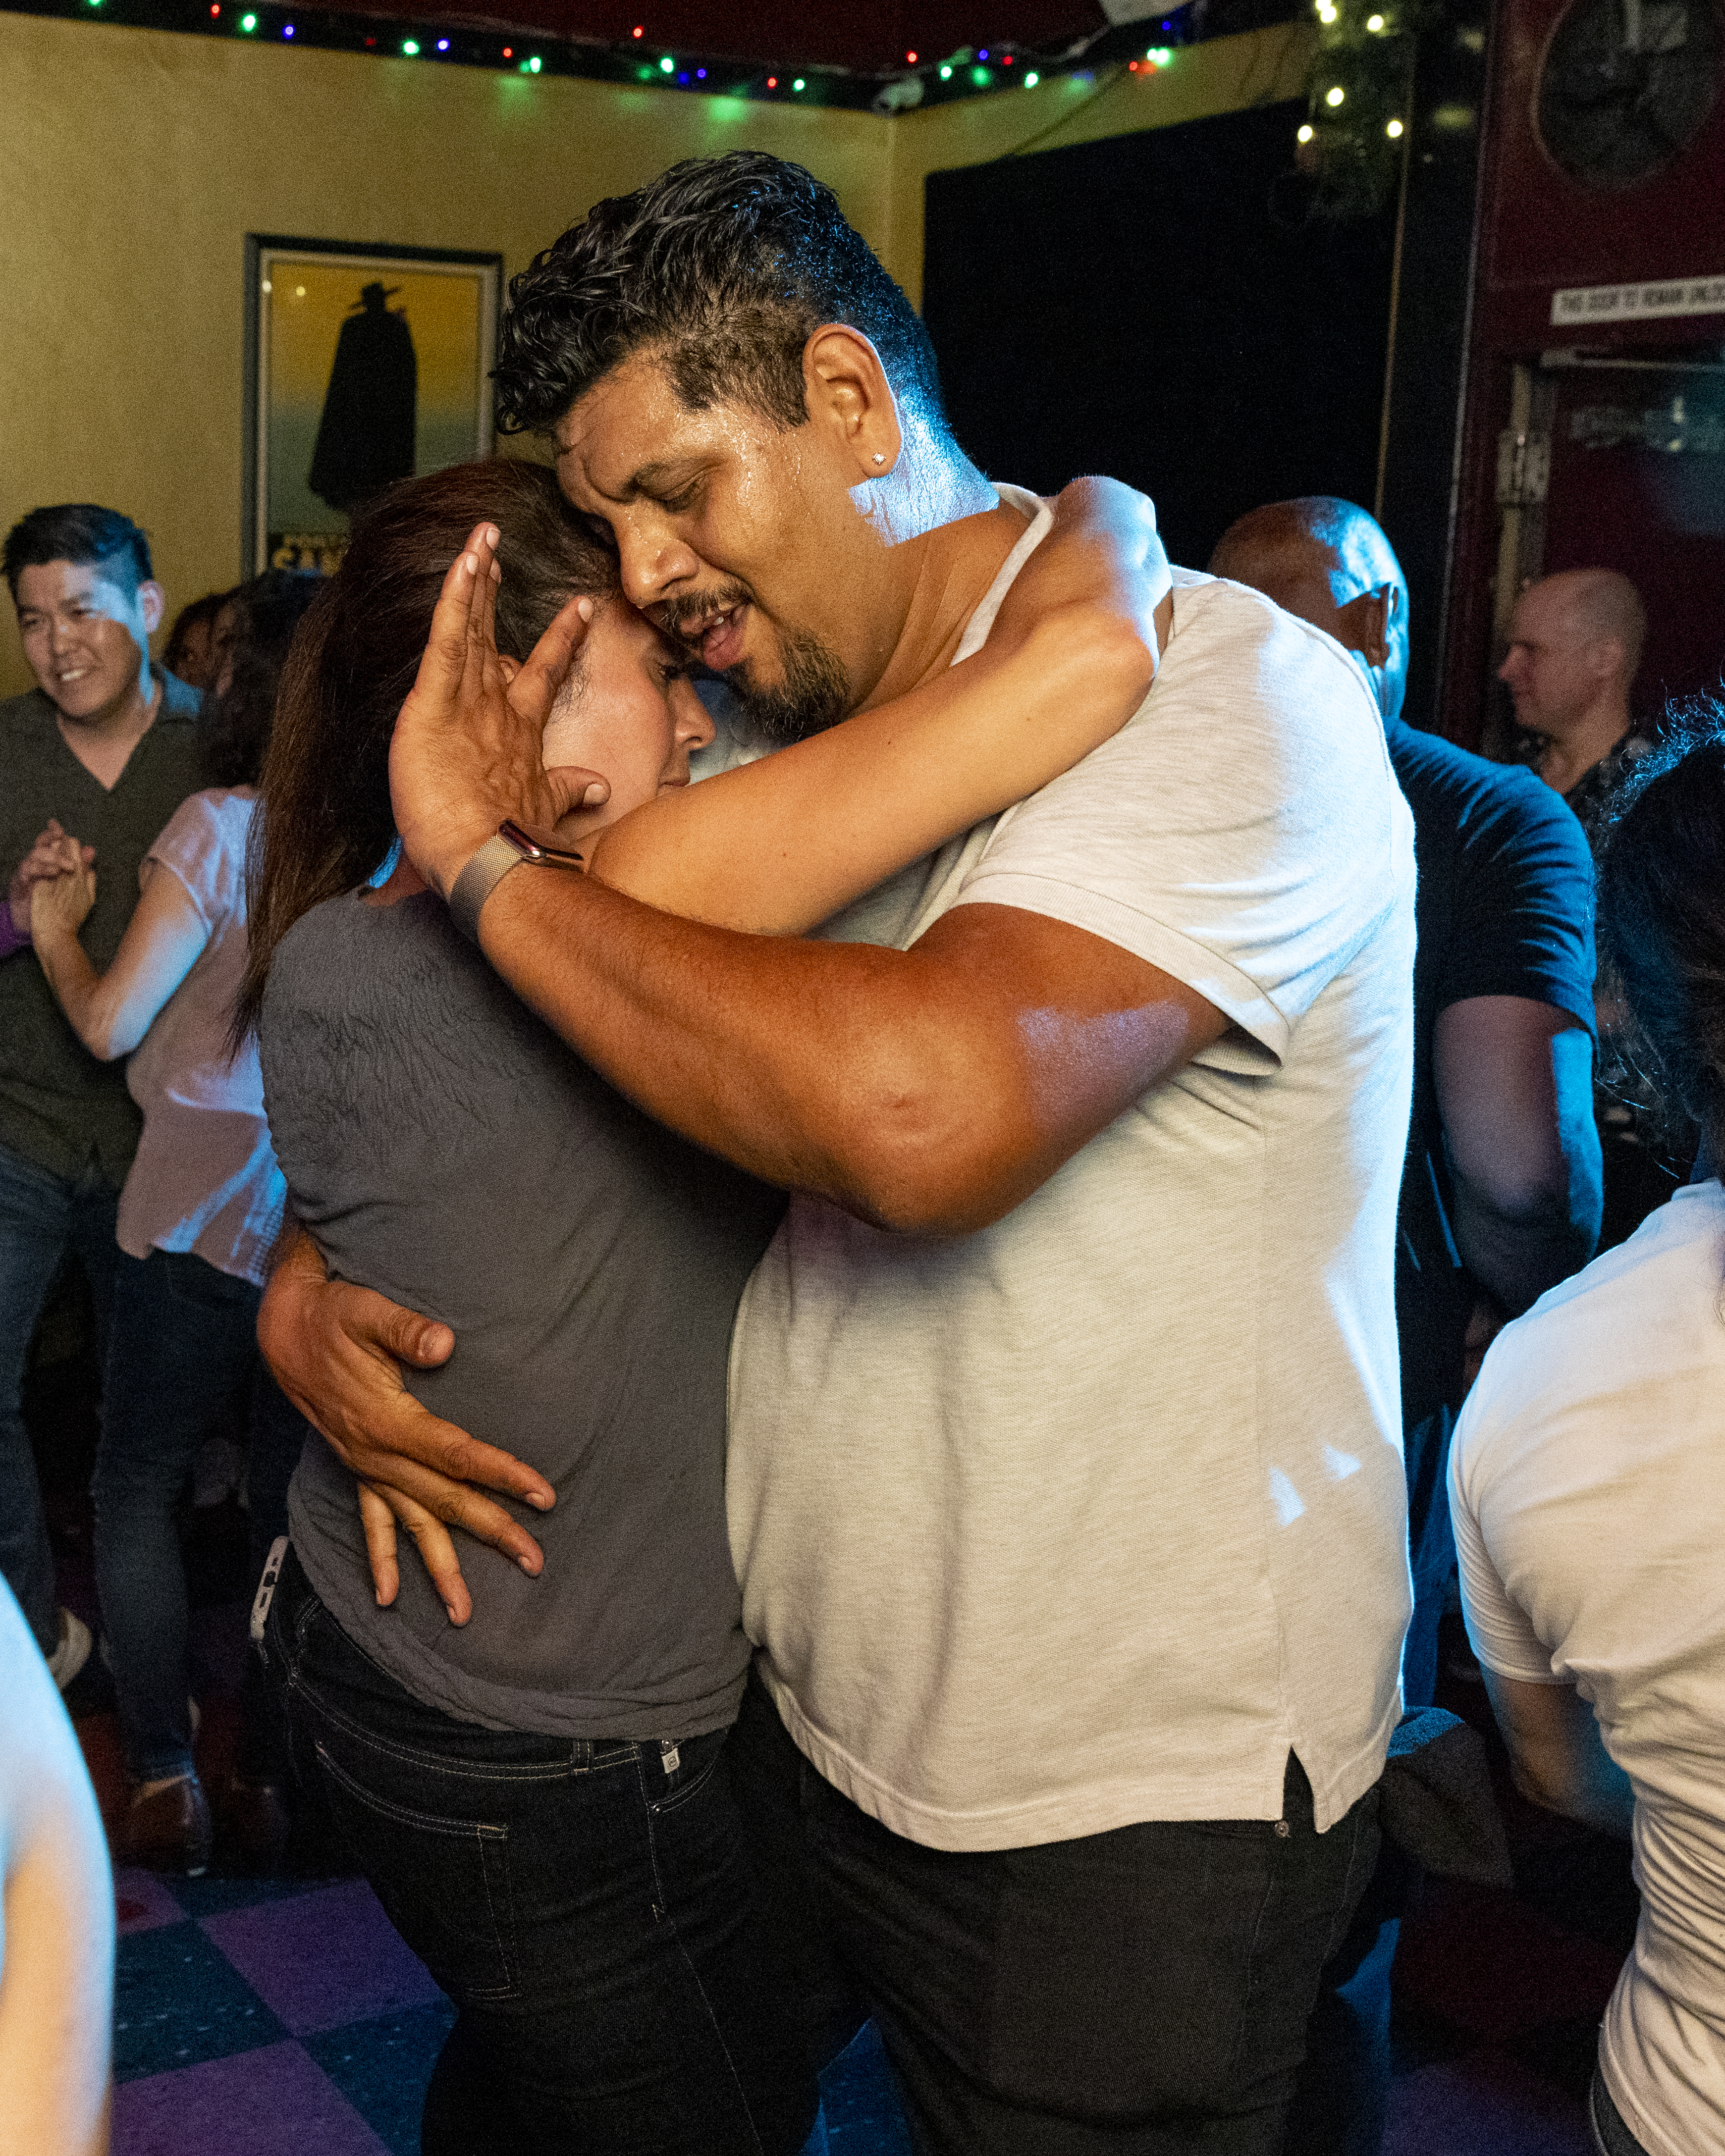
x: 1556, y: 1752
x: 1515, y: 1090
x: 928, y: 1091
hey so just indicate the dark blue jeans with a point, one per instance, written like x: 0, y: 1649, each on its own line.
x: 183, y: 1351
x: 588, y: 1905
x: 42, y: 1217
x: 1139, y: 1992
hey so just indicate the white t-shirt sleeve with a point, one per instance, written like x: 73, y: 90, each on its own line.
x: 1499, y: 1630
x: 1243, y: 833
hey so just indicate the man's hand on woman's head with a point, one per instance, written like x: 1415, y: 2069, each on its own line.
x: 467, y: 748
x: 336, y: 1352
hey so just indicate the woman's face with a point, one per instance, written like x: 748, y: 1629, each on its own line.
x: 629, y: 712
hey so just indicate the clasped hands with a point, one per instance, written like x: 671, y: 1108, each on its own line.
x: 54, y: 884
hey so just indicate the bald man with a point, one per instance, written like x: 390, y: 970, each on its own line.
x: 1500, y: 1195
x: 1574, y: 644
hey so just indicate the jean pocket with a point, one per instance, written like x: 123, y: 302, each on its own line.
x: 697, y: 1761
x: 444, y: 1883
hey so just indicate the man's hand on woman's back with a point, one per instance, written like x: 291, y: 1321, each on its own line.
x: 336, y: 1352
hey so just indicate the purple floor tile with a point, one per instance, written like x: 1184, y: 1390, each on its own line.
x: 141, y: 1901
x: 269, y: 2102
x: 1483, y: 2105
x: 322, y: 1958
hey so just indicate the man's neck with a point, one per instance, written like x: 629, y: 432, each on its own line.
x: 104, y: 743
x: 1565, y: 761
x: 954, y: 564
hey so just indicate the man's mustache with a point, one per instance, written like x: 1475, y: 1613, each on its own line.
x: 693, y: 611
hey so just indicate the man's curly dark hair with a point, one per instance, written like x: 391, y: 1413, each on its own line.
x: 722, y: 267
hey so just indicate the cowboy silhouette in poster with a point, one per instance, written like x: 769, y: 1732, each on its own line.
x: 366, y: 437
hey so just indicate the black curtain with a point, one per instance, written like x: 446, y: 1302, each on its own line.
x: 1159, y: 306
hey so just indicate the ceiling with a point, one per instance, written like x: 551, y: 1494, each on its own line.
x: 872, y: 36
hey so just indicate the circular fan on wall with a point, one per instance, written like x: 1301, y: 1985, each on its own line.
x: 1625, y: 85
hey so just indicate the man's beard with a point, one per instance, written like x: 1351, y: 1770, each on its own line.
x: 814, y: 694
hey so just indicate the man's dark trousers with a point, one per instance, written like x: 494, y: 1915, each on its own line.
x: 1142, y: 1992
x: 42, y: 1217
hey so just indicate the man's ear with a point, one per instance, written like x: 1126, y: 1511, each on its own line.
x: 848, y: 394
x: 1378, y: 608
x: 153, y: 604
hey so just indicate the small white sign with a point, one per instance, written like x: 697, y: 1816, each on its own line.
x: 1587, y: 305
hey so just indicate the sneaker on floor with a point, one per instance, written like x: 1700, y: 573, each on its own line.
x: 167, y: 1827
x: 72, y: 1653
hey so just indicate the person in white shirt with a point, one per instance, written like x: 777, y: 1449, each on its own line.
x: 1587, y: 1488
x: 1064, y: 1480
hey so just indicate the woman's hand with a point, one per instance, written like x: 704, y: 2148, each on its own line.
x: 60, y: 904
x: 467, y: 750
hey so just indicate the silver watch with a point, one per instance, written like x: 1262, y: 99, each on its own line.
x: 494, y: 861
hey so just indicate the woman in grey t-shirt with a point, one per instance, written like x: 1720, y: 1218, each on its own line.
x: 538, y: 1795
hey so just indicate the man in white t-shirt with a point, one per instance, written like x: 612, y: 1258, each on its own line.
x: 1589, y: 1499
x: 1065, y: 1476
x: 1589, y: 1496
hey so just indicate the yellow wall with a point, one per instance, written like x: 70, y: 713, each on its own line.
x: 133, y: 162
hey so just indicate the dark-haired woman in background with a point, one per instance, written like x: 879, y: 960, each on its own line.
x: 539, y: 1795
x: 192, y: 651
x: 199, y: 1213
x: 1588, y: 1487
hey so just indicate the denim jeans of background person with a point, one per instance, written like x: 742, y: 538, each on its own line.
x: 579, y: 2024
x: 43, y: 1217
x: 184, y: 1335
x: 105, y: 745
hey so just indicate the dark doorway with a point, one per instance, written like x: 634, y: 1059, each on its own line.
x: 1159, y: 306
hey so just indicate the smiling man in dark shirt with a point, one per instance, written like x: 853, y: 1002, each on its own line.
x: 103, y: 748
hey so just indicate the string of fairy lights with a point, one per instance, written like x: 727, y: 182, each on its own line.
x: 1143, y: 49
x: 1351, y: 142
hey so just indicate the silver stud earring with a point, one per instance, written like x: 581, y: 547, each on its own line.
x: 879, y: 458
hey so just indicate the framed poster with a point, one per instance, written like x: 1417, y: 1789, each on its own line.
x: 363, y: 365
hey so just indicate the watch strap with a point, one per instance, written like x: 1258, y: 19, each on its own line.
x: 507, y: 849
x: 480, y: 877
